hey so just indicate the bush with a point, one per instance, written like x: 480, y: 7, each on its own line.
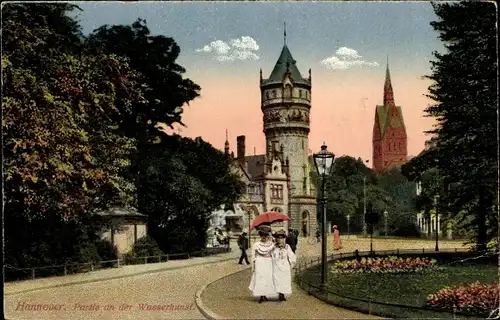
x: 106, y: 250
x: 146, y: 246
x: 474, y: 298
x: 390, y: 264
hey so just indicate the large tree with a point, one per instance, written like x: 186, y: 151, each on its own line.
x: 155, y: 58
x: 63, y: 155
x: 464, y: 90
x: 184, y: 181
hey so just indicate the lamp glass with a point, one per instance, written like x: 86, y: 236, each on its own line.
x: 323, y: 161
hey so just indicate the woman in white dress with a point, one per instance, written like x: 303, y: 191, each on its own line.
x: 283, y: 262
x: 262, y: 284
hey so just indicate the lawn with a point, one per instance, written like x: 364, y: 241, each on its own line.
x: 409, y: 289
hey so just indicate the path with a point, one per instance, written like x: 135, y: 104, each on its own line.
x: 230, y: 298
x: 172, y: 284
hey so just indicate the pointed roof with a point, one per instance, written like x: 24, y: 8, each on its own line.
x: 285, y: 64
x: 388, y: 93
x: 388, y: 114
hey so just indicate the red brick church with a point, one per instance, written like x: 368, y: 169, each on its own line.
x: 389, y: 132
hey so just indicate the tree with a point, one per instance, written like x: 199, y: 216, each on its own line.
x: 401, y: 208
x: 344, y: 189
x: 63, y: 156
x: 465, y: 107
x: 155, y: 58
x: 184, y: 181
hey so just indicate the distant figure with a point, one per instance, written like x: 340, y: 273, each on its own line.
x: 291, y: 240
x: 215, y: 243
x: 243, y: 245
x: 262, y: 266
x: 337, y: 242
x: 318, y: 236
x: 296, y: 233
x: 283, y: 262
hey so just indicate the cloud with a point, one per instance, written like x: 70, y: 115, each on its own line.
x: 244, y: 48
x: 346, y: 58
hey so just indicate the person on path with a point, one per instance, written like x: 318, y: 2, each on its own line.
x: 337, y: 242
x: 291, y: 240
x: 261, y: 283
x: 283, y: 262
x: 243, y: 245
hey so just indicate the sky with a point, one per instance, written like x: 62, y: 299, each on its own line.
x: 345, y: 44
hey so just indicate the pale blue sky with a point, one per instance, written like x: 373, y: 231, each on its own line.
x: 315, y: 30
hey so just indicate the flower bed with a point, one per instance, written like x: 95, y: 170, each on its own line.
x: 474, y: 298
x: 389, y: 264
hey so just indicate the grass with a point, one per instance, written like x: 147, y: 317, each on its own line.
x: 410, y: 289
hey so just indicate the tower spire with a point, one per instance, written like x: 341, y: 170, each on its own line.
x: 388, y: 93
x: 284, y: 32
x: 226, y: 145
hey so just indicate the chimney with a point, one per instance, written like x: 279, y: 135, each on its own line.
x: 240, y: 149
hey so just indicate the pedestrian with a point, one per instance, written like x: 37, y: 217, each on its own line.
x: 291, y: 240
x: 243, y: 245
x: 215, y: 243
x: 283, y: 262
x: 261, y: 283
x: 337, y: 242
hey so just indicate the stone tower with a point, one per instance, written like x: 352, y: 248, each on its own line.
x: 389, y: 132
x: 286, y: 105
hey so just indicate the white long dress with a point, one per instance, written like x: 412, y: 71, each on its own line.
x: 261, y: 283
x: 283, y: 262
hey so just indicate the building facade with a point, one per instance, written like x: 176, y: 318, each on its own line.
x: 279, y: 180
x: 389, y: 142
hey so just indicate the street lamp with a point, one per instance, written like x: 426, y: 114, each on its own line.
x: 386, y: 214
x: 364, y: 203
x: 436, y: 221
x: 348, y: 224
x: 323, y: 161
x: 364, y: 206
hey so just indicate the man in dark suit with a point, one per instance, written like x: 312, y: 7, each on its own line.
x: 243, y: 244
x: 291, y: 240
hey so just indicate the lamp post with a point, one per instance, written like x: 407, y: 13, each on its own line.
x: 364, y: 203
x: 323, y: 161
x: 386, y: 214
x: 436, y: 221
x: 364, y: 206
x: 348, y: 224
x: 249, y: 231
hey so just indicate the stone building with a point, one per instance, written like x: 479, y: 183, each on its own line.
x: 128, y: 226
x: 389, y: 132
x: 279, y: 180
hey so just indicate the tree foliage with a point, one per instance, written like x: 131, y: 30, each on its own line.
x: 79, y: 124
x: 155, y: 58
x: 184, y: 181
x: 464, y: 90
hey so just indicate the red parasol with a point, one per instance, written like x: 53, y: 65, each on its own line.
x: 268, y: 218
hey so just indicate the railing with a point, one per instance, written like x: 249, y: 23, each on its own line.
x: 18, y: 274
x: 370, y: 306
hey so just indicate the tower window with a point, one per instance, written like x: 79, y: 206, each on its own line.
x: 300, y: 93
x: 273, y: 94
x: 288, y: 91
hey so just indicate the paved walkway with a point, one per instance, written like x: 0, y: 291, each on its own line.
x: 229, y: 297
x: 112, y: 273
x: 155, y: 291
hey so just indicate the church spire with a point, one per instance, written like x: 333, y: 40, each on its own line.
x: 388, y: 93
x: 226, y: 145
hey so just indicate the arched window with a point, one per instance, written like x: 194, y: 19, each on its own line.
x: 287, y: 93
x: 276, y: 209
